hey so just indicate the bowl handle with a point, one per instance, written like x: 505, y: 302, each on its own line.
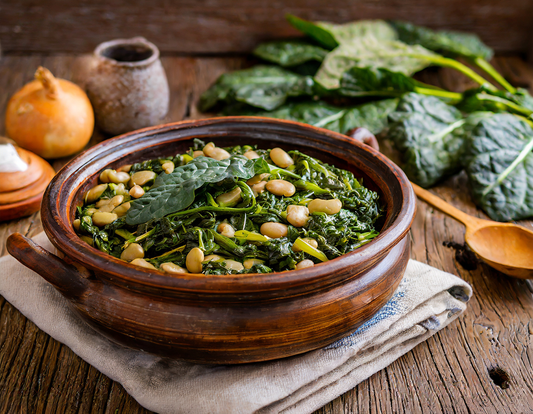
x: 65, y: 277
x: 365, y: 136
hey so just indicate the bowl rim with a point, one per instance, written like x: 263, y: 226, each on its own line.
x: 59, y: 230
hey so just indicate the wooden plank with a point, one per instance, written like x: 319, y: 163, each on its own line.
x: 222, y: 26
x: 450, y: 372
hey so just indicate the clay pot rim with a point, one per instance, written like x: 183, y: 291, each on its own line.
x: 139, y: 40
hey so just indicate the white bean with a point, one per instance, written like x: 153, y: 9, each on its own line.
x: 94, y: 193
x: 216, y: 153
x: 212, y: 258
x: 104, y: 175
x: 304, y: 264
x: 172, y: 268
x: 281, y: 158
x: 133, y: 251
x: 136, y: 191
x: 142, y: 177
x: 125, y: 168
x: 249, y: 263
x: 114, y: 202
x: 194, y: 260
x: 251, y: 154
x: 168, y: 167
x: 102, y: 202
x: 118, y: 177
x: 274, y: 230
x: 197, y: 154
x: 325, y: 206
x: 281, y: 188
x: 122, y: 210
x: 259, y: 188
x: 230, y: 198
x: 226, y: 229
x: 297, y: 215
x: 233, y: 265
x: 143, y: 263
x: 103, y: 219
x: 76, y: 224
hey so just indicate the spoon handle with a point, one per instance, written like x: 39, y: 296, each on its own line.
x: 466, y: 219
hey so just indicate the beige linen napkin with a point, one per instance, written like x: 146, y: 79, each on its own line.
x: 426, y: 301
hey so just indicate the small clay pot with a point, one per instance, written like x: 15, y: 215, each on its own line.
x: 127, y: 85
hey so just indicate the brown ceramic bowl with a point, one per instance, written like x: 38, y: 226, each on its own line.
x: 223, y: 318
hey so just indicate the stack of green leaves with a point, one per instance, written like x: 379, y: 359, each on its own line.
x: 359, y: 74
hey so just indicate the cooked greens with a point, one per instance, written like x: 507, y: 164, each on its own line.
x: 250, y: 211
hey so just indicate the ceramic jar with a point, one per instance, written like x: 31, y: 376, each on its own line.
x: 127, y: 85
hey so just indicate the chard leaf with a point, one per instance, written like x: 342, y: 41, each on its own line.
x: 331, y: 35
x: 369, y: 52
x: 265, y: 87
x: 445, y: 42
x: 500, y: 167
x: 290, y: 52
x: 176, y: 191
x: 372, y: 115
x: 429, y: 134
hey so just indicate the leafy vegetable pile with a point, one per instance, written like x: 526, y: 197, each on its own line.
x: 238, y: 210
x: 342, y: 76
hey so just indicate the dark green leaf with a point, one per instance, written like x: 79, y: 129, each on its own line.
x: 331, y: 35
x: 445, y: 42
x: 176, y: 191
x: 428, y: 133
x: 265, y: 87
x: 500, y: 167
x: 372, y: 115
x: 290, y: 52
x: 369, y: 52
x: 365, y: 81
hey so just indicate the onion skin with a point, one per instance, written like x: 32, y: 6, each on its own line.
x: 51, y: 117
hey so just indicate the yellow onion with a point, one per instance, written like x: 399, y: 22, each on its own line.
x: 50, y: 117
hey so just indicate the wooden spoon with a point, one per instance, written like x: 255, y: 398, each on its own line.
x: 506, y: 247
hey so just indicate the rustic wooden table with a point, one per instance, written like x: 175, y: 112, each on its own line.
x: 482, y: 363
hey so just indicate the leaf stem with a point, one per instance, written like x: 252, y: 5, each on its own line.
x: 450, y: 128
x: 455, y: 96
x: 523, y: 154
x: 509, y: 104
x: 489, y: 69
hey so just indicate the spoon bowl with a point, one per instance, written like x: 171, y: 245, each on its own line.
x: 506, y: 247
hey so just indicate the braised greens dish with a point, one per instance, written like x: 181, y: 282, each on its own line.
x: 228, y: 210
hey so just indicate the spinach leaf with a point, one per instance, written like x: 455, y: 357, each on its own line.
x: 369, y: 52
x: 265, y: 87
x: 445, y: 42
x: 372, y: 115
x: 290, y: 52
x: 176, y: 191
x: 500, y: 167
x: 375, y: 81
x: 331, y: 35
x: 428, y: 133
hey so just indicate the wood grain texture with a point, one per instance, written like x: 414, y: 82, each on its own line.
x: 222, y: 26
x: 449, y: 373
